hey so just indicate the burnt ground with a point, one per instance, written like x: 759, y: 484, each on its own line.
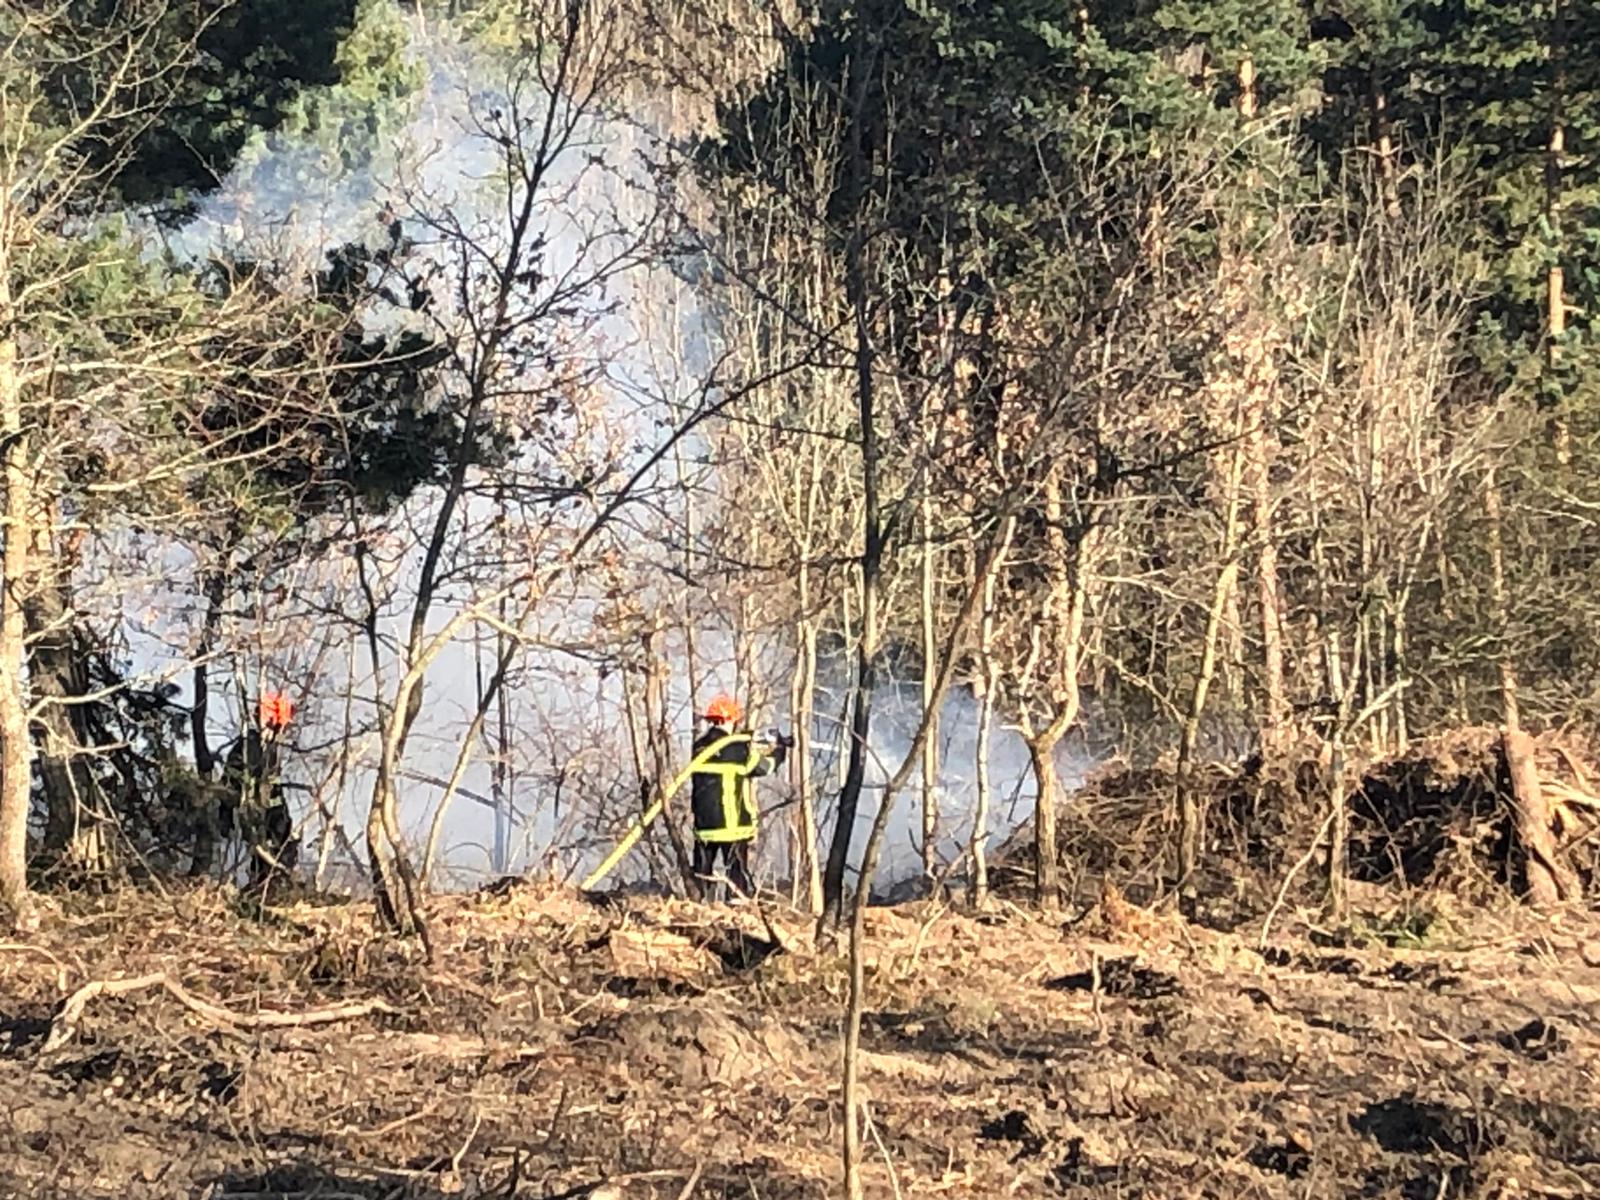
x: 559, y: 1048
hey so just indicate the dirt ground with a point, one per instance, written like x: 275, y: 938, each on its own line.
x: 564, y: 1048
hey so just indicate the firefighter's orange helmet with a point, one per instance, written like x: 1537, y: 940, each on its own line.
x: 277, y: 710
x: 723, y: 710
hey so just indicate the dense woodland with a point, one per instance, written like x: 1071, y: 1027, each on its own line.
x: 1194, y: 380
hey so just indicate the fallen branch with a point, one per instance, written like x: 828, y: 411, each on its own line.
x: 71, y: 1012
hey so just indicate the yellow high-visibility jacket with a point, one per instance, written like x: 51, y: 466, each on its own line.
x: 724, y: 809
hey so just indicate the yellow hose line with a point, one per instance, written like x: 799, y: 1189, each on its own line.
x: 636, y: 830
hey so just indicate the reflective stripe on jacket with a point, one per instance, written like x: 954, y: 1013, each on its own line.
x: 724, y: 810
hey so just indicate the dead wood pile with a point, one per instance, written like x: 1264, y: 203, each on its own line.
x: 1440, y: 815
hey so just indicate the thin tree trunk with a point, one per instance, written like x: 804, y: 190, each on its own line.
x: 1233, y: 664
x: 863, y: 70
x: 930, y: 748
x: 1383, y: 143
x: 1555, y: 284
x: 658, y: 742
x: 1275, y: 712
x: 990, y: 665
x: 1046, y: 847
x: 1339, y: 825
x: 1460, y: 704
x: 75, y: 810
x: 381, y: 860
x: 803, y: 691
x: 856, y: 1003
x: 871, y: 567
x: 1509, y: 710
x: 486, y: 363
x: 331, y: 814
x: 979, y: 843
x: 1069, y: 586
x: 849, y: 644
x: 1342, y: 691
x: 394, y: 899
x: 1345, y: 686
x: 500, y: 766
x: 1397, y: 623
x: 1550, y: 880
x: 205, y: 759
x: 16, y: 745
x: 1189, y: 835
x: 645, y: 780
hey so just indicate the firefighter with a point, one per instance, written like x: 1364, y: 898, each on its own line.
x: 725, y: 813
x: 255, y: 791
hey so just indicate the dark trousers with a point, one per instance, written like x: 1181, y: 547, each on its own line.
x: 737, y: 855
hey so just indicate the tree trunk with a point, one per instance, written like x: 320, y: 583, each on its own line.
x: 1275, y: 711
x: 979, y: 844
x: 1339, y: 824
x: 1397, y: 623
x: 1555, y: 283
x: 802, y: 701
x: 74, y: 806
x: 1509, y: 710
x: 16, y: 744
x: 1383, y: 143
x: 1189, y: 834
x: 658, y: 735
x: 1551, y: 880
x: 856, y: 1003
x: 1460, y: 703
x: 1066, y: 609
x: 331, y: 830
x: 871, y: 564
x: 990, y: 666
x: 383, y: 861
x: 647, y: 780
x: 1046, y: 846
x: 205, y: 761
x: 930, y: 748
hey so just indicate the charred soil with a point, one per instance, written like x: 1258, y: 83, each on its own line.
x: 562, y: 1048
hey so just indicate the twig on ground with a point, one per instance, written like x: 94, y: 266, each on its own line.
x: 72, y: 1008
x: 872, y: 1128
x: 694, y: 1178
x: 455, y: 1159
x: 397, y: 1123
